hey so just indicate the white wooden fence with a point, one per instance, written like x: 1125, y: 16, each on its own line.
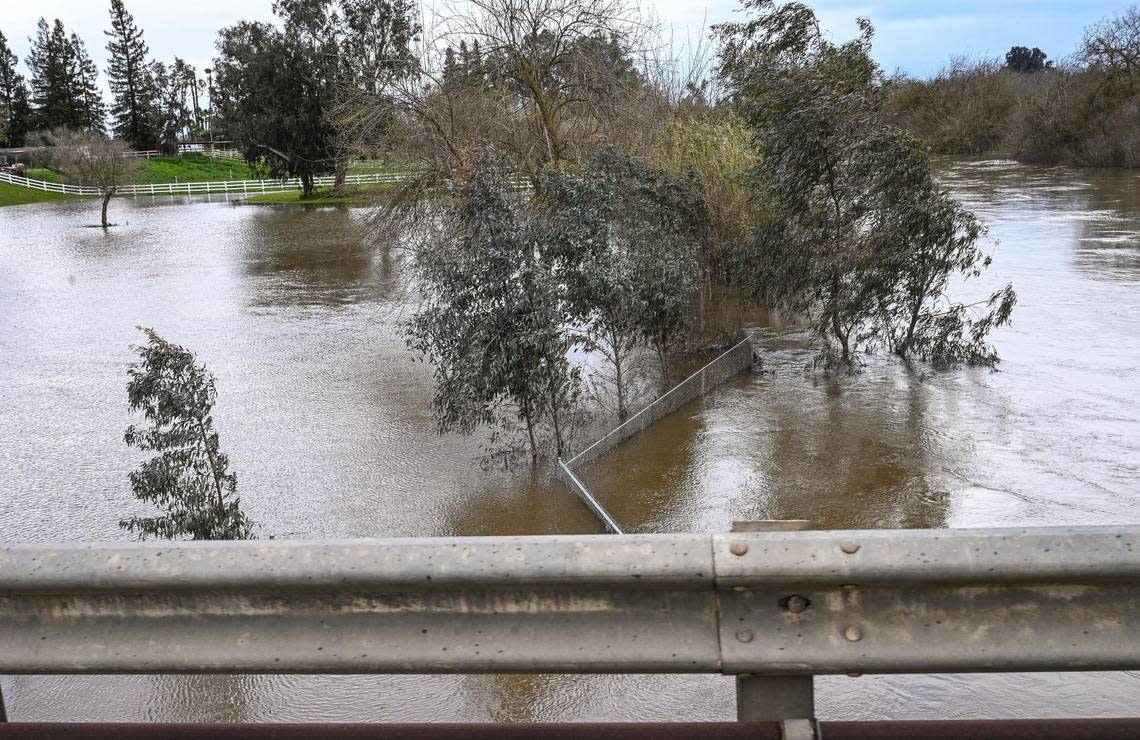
x: 244, y: 187
x: 184, y: 149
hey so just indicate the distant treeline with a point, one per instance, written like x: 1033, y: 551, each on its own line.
x: 153, y: 105
x: 1083, y: 111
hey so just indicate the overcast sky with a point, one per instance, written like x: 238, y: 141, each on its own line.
x: 916, y: 36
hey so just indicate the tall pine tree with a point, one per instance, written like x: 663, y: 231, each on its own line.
x: 65, y: 91
x: 85, y: 79
x: 132, y: 83
x: 13, y: 99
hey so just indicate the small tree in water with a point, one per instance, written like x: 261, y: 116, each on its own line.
x: 189, y: 478
x: 89, y: 158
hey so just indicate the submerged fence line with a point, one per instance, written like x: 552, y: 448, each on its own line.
x: 726, y: 366
x: 708, y: 377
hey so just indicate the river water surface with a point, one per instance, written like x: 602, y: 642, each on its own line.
x: 325, y: 416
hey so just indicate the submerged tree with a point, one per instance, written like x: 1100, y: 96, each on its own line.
x: 856, y: 235
x: 493, y: 323
x: 189, y: 479
x: 89, y: 158
x: 627, y: 240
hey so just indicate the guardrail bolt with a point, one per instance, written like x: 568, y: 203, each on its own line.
x: 849, y: 547
x: 853, y: 634
x: 738, y: 548
x: 744, y: 635
x: 797, y: 604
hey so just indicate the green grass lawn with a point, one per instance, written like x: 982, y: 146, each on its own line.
x: 355, y: 195
x: 15, y: 195
x: 45, y: 175
x: 193, y: 168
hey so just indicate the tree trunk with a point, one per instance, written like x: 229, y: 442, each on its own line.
x: 341, y: 174
x: 663, y: 358
x: 842, y: 337
x: 904, y: 349
x: 106, y: 200
x: 527, y: 416
x: 306, y: 186
x: 615, y: 347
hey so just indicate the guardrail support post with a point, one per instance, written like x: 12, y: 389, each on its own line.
x: 774, y: 698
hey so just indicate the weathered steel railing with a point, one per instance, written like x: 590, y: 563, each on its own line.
x: 774, y: 608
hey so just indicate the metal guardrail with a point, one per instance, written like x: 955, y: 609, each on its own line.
x: 592, y: 503
x: 245, y: 187
x: 777, y: 606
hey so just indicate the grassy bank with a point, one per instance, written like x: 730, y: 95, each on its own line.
x: 354, y: 196
x: 15, y: 195
x: 193, y: 168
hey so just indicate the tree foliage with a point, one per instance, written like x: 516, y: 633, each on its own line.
x: 275, y: 87
x: 1023, y: 60
x: 189, y: 478
x: 629, y: 237
x: 857, y: 236
x: 605, y: 260
x: 493, y: 319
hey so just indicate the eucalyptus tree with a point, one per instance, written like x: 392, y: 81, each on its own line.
x: 856, y: 235
x: 131, y: 79
x: 627, y: 239
x: 189, y: 478
x: 493, y: 319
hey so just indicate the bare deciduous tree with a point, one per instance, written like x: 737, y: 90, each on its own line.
x: 1113, y: 44
x: 91, y: 159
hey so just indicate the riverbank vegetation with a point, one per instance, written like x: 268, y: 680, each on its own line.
x: 1080, y: 111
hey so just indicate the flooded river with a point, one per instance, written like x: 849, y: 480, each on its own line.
x: 325, y: 416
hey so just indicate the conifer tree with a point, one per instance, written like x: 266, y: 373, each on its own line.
x: 13, y: 99
x: 132, y: 83
x: 90, y: 113
x: 64, y: 83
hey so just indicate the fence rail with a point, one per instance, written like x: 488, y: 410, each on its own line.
x: 244, y: 187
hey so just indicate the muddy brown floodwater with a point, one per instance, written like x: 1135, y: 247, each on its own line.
x: 325, y: 416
